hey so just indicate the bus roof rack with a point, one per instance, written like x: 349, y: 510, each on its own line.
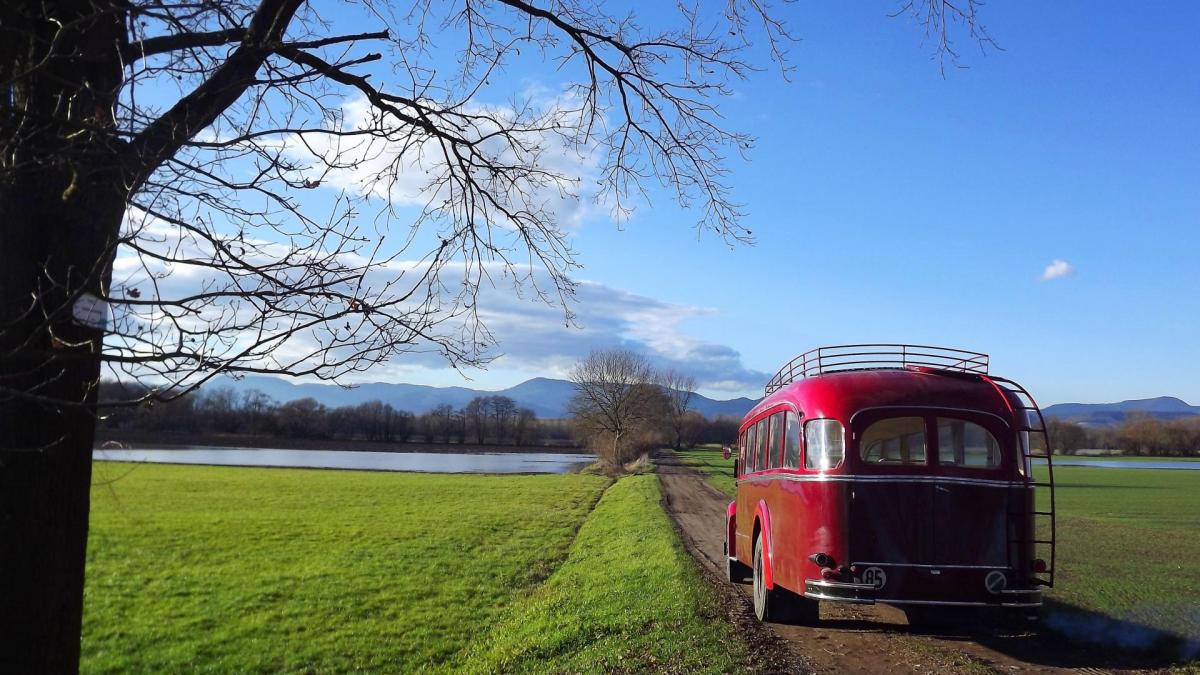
x: 840, y: 358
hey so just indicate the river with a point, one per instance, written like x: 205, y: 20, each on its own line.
x: 439, y: 462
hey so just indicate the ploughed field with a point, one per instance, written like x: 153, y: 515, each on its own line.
x: 1128, y: 549
x: 223, y: 569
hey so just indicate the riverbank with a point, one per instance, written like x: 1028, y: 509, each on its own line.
x: 168, y: 440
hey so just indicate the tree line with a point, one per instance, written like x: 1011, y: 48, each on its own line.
x: 495, y: 419
x: 1138, y: 434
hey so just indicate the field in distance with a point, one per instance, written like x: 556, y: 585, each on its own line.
x: 226, y: 569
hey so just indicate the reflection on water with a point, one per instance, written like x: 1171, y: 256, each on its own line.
x: 1118, y: 464
x: 492, y: 462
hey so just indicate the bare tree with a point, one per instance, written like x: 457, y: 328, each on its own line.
x: 524, y: 426
x: 617, y: 402
x: 678, y: 390
x: 939, y: 18
x: 154, y: 157
x: 474, y: 415
x: 502, y: 410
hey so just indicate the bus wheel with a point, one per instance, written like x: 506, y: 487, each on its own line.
x: 769, y: 605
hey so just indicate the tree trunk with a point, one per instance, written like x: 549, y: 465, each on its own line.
x: 53, y: 245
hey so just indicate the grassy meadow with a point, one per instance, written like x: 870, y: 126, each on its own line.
x: 222, y: 569
x: 1128, y: 540
x: 1129, y: 545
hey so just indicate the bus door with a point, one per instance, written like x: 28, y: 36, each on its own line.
x: 971, y: 492
x: 891, y: 499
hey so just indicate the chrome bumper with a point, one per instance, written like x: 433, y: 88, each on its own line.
x: 860, y: 594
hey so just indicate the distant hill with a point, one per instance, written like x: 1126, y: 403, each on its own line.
x: 1104, y: 414
x: 546, y: 397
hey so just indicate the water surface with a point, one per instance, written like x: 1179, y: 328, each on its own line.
x: 1120, y: 464
x: 440, y: 462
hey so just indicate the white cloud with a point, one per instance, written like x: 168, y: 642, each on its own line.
x: 1057, y: 269
x: 531, y: 337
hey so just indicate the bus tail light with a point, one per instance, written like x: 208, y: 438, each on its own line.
x: 1039, y: 566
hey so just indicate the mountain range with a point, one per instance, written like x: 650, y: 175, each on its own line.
x: 548, y: 398
x: 1104, y: 414
x: 544, y: 396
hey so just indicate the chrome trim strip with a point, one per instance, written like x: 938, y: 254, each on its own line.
x: 859, y: 478
x: 937, y: 567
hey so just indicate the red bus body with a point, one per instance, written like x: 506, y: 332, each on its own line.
x: 931, y: 503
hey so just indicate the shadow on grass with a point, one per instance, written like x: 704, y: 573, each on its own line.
x: 1065, y: 637
x: 1068, y: 636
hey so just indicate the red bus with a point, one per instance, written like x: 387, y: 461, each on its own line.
x: 898, y: 474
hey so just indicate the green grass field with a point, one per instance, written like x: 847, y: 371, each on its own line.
x: 1129, y: 545
x: 707, y: 459
x: 1129, y: 540
x: 266, y: 570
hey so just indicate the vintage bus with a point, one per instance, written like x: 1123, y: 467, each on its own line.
x: 898, y: 474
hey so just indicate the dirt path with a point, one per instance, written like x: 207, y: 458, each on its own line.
x: 873, y: 638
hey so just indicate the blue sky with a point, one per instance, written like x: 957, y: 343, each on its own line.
x: 892, y: 204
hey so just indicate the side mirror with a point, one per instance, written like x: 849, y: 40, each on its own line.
x: 725, y: 451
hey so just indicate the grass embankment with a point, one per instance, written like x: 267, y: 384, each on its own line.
x: 1128, y: 543
x: 254, y: 570
x: 628, y: 599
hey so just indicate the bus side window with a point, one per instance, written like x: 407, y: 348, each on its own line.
x: 776, y: 447
x: 824, y: 444
x: 739, y: 457
x: 750, y: 468
x: 791, y: 442
x: 760, y: 445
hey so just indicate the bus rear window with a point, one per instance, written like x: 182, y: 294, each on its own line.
x: 962, y: 443
x: 898, y: 440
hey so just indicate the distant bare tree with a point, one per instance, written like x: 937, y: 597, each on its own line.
x: 503, y: 411
x: 475, y: 417
x: 679, y: 390
x: 524, y: 426
x: 617, y: 402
